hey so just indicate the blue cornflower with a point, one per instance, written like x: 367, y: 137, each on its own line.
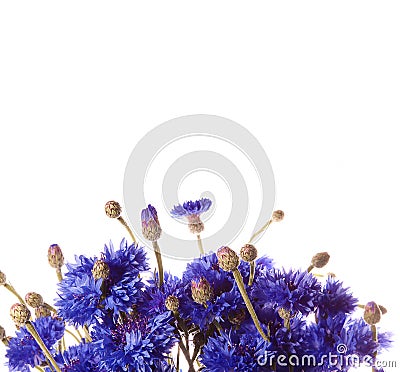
x: 226, y: 296
x: 81, y: 358
x: 338, y: 335
x: 335, y: 299
x: 192, y: 211
x: 23, y: 351
x: 154, y: 296
x: 191, y: 208
x: 136, y: 342
x: 234, y: 352
x: 83, y: 299
x: 296, y: 291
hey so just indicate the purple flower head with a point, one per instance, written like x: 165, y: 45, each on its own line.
x: 84, y: 299
x: 151, y: 228
x: 191, y: 208
x: 296, y: 291
x: 137, y: 342
x: 23, y: 351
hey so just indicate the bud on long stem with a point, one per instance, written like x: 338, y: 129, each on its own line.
x: 250, y: 308
x: 159, y: 263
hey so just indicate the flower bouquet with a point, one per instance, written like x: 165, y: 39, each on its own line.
x: 229, y: 311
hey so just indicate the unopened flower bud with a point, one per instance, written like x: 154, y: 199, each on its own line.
x: 42, y: 311
x: 320, y: 259
x: 228, y: 260
x: 284, y: 313
x: 237, y: 316
x: 248, y: 253
x: 20, y: 314
x: 55, y: 256
x: 100, y: 270
x: 202, y: 291
x: 172, y: 303
x: 372, y: 313
x: 277, y: 216
x: 196, y: 226
x: 34, y: 299
x: 112, y: 209
x: 3, y: 278
x: 151, y: 228
x: 2, y: 333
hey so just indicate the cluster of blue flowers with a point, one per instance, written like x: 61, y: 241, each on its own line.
x: 136, y: 324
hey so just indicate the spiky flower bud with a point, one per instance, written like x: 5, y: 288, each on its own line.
x: 372, y: 313
x: 202, y: 291
x: 34, y: 299
x: 320, y: 259
x: 196, y: 226
x: 20, y: 314
x: 100, y: 270
x: 278, y: 215
x: 3, y: 278
x: 112, y: 209
x: 151, y: 228
x: 42, y: 311
x: 228, y: 260
x: 285, y: 313
x: 248, y: 253
x: 172, y: 303
x: 2, y: 333
x: 237, y: 316
x: 55, y: 256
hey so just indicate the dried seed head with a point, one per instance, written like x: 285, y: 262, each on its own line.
x: 112, y: 209
x: 3, y: 278
x: 320, y: 259
x: 2, y: 333
x: 202, y: 291
x: 277, y: 216
x: 42, y: 311
x: 34, y: 299
x: 100, y: 270
x: 55, y: 256
x: 172, y: 303
x: 237, y: 316
x: 20, y: 314
x: 228, y: 260
x: 248, y: 253
x: 372, y: 313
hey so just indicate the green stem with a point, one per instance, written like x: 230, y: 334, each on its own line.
x: 187, y: 356
x: 123, y: 222
x: 252, y: 271
x: 177, y: 358
x: 87, y: 334
x: 159, y: 263
x: 310, y: 268
x: 70, y: 333
x: 374, y: 338
x: 265, y: 227
x: 14, y: 292
x: 31, y: 329
x: 200, y: 245
x: 239, y: 280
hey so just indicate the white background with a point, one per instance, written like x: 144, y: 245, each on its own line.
x: 316, y: 82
